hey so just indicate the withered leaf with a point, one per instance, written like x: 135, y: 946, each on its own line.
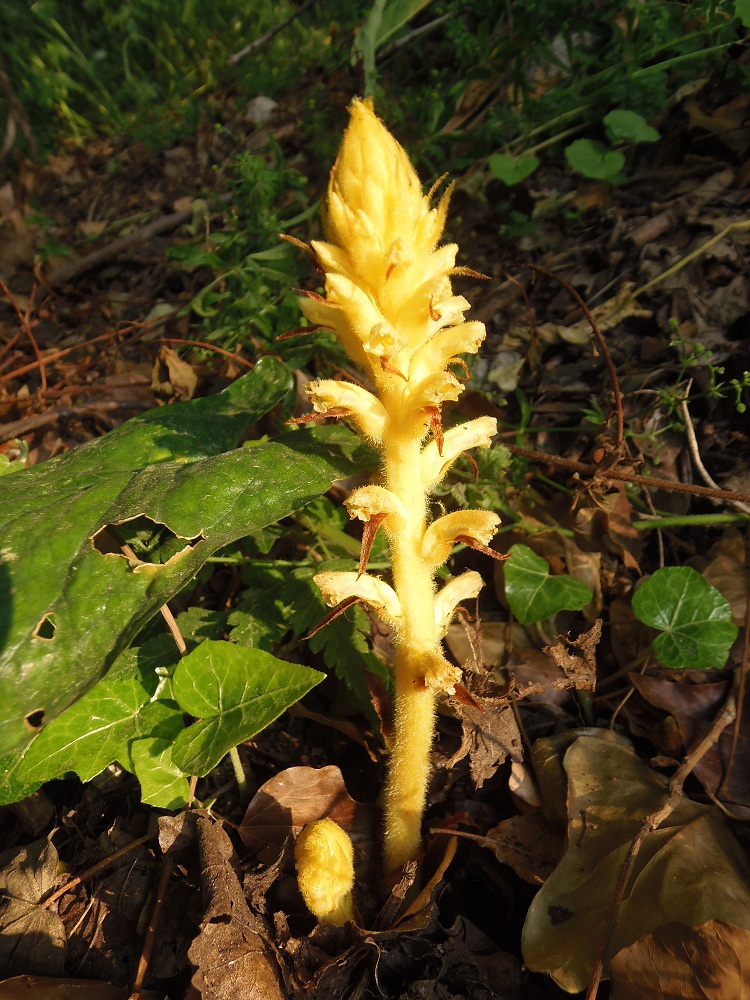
x: 32, y: 938
x: 232, y: 954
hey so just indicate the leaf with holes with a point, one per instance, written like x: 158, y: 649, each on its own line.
x: 694, y: 618
x: 101, y: 726
x: 533, y: 594
x: 172, y: 486
x: 234, y: 692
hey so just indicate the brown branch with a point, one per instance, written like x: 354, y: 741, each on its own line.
x: 17, y: 428
x: 105, y: 254
x: 99, y: 866
x: 614, y: 475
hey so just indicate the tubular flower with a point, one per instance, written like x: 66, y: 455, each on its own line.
x: 389, y: 299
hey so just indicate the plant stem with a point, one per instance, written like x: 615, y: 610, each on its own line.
x: 416, y: 645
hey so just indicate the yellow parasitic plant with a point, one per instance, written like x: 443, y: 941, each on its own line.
x: 389, y: 300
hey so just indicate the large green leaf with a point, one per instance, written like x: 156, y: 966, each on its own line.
x: 533, y: 594
x: 235, y: 692
x: 694, y: 618
x: 67, y: 607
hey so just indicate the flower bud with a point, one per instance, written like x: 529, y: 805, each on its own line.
x: 325, y: 871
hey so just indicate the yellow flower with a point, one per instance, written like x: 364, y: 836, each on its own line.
x: 325, y: 871
x: 389, y: 299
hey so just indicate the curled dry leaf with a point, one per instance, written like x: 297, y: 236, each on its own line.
x: 233, y: 954
x: 689, y: 870
x: 300, y: 795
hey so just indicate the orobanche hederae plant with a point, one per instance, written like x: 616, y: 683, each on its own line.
x: 389, y: 300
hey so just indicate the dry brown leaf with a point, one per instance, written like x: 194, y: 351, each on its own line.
x: 530, y: 845
x: 232, y: 954
x: 297, y: 796
x: 689, y: 870
x: 674, y: 962
x: 32, y: 938
x: 726, y: 571
x: 172, y: 376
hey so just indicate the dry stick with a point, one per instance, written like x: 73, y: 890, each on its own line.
x: 695, y: 453
x: 54, y: 357
x: 17, y: 428
x: 207, y: 347
x: 599, y: 339
x: 148, y: 944
x: 651, y: 823
x: 69, y: 272
x: 268, y: 35
x: 94, y: 869
x: 613, y: 475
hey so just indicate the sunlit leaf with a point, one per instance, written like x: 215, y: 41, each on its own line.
x: 694, y: 618
x: 533, y: 594
x: 234, y: 692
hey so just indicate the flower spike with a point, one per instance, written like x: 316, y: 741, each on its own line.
x: 389, y: 300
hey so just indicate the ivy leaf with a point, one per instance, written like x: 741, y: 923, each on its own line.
x: 164, y: 483
x: 512, y: 170
x: 595, y: 160
x: 628, y: 126
x: 100, y: 727
x: 533, y: 594
x: 694, y: 618
x: 235, y: 692
x: 163, y: 784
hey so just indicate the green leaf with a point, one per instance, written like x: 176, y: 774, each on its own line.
x: 163, y: 784
x: 628, y: 126
x: 512, y: 169
x: 100, y: 727
x: 383, y: 21
x: 13, y: 788
x: 694, y: 618
x: 70, y: 601
x: 235, y: 692
x: 593, y: 159
x: 533, y: 594
x: 742, y: 11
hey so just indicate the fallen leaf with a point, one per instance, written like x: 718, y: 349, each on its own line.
x: 726, y: 571
x: 232, y: 954
x: 48, y: 988
x: 297, y: 796
x: 674, y: 962
x: 688, y: 871
x: 32, y: 938
x: 530, y: 845
x: 172, y: 376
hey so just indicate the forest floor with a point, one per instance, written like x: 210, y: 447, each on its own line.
x: 146, y: 902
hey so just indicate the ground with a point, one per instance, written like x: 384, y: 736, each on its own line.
x: 592, y: 364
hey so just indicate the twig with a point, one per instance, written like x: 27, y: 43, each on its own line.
x: 695, y: 453
x: 99, y: 866
x: 693, y: 255
x: 148, y: 943
x: 207, y: 347
x: 269, y: 34
x: 54, y: 357
x: 17, y: 428
x: 651, y: 823
x: 415, y: 33
x: 614, y: 475
x: 76, y: 268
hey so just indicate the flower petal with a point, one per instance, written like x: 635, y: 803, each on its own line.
x: 367, y: 501
x: 366, y: 409
x: 473, y: 434
x: 441, y: 535
x: 336, y: 587
x: 461, y: 588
